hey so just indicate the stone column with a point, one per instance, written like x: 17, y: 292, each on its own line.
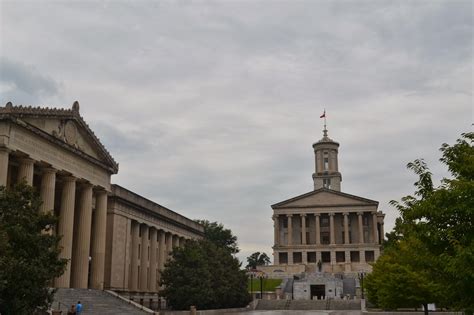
x: 162, y: 252
x: 375, y: 232
x: 144, y: 259
x: 276, y: 229
x: 290, y: 257
x: 318, y: 229
x: 82, y: 242
x: 362, y: 256
x: 25, y: 171
x: 346, y: 227
x: 133, y: 283
x: 276, y: 260
x: 290, y: 229
x: 304, y: 257
x: 361, y: 227
x: 98, y: 241
x: 169, y: 245
x: 153, y: 253
x: 303, y: 229
x: 48, y: 185
x: 332, y: 233
x: 65, y: 224
x: 4, y: 157
x: 382, y: 231
x: 175, y: 240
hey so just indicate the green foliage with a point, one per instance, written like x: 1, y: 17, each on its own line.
x: 220, y: 236
x: 257, y: 259
x: 432, y: 245
x: 204, y: 275
x: 267, y: 284
x: 28, y: 254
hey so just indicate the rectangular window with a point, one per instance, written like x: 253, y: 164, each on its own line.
x: 324, y: 221
x: 326, y: 163
x: 139, y: 248
x: 283, y: 258
x: 327, y: 183
x: 366, y: 220
x: 369, y: 256
x: 355, y: 256
x: 326, y: 257
x: 285, y: 222
x: 324, y: 237
x: 312, y: 257
x: 297, y: 258
x: 340, y: 257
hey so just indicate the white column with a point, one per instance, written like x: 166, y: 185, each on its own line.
x: 162, y: 252
x: 318, y: 229
x: 375, y: 232
x: 133, y: 283
x: 98, y: 241
x: 169, y: 245
x: 175, y: 241
x: 361, y: 227
x: 276, y: 230
x: 48, y: 185
x: 303, y: 229
x: 346, y: 227
x: 382, y: 237
x: 25, y: 171
x: 144, y: 259
x: 66, y: 222
x: 4, y: 157
x: 332, y: 233
x: 153, y: 260
x: 80, y: 258
x: 290, y: 230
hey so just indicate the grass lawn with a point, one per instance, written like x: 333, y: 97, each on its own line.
x: 268, y: 284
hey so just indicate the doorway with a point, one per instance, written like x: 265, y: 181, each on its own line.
x: 318, y: 291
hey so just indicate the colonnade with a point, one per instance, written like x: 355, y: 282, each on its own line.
x: 75, y: 218
x: 150, y: 249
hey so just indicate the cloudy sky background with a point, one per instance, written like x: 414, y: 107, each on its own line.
x: 211, y: 108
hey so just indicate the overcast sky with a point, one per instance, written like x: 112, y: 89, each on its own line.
x: 211, y: 108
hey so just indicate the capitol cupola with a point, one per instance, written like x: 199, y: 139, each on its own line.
x: 326, y: 173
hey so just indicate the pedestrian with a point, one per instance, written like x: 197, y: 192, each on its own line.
x: 78, y: 308
x: 72, y: 310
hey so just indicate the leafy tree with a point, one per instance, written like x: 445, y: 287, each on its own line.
x: 204, y: 275
x: 29, y: 256
x: 257, y: 259
x: 432, y: 245
x: 220, y: 236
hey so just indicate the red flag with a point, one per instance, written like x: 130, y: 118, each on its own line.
x: 323, y: 115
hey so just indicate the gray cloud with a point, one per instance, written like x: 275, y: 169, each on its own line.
x: 221, y: 99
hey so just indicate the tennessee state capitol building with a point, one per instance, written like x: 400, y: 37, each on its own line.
x: 326, y: 228
x: 112, y: 237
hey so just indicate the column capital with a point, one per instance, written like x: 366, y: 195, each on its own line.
x: 26, y: 160
x: 317, y: 214
x: 303, y: 215
x: 345, y: 213
x: 68, y: 178
x: 331, y: 214
x: 5, y: 149
x: 48, y: 170
x: 360, y: 213
x: 289, y: 215
x: 275, y: 217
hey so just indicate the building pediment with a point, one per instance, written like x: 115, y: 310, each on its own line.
x: 324, y: 198
x: 65, y: 127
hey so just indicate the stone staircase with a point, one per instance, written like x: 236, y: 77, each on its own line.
x: 294, y: 305
x: 94, y: 302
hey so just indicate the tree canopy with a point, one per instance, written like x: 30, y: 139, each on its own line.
x: 29, y: 256
x: 429, y: 256
x: 219, y: 235
x: 204, y: 273
x: 257, y: 259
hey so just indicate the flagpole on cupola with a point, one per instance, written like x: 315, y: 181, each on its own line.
x: 325, y: 131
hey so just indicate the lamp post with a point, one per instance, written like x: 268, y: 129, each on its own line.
x: 261, y: 276
x: 361, y: 278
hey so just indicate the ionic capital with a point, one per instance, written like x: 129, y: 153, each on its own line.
x: 331, y: 214
x: 303, y: 215
x: 360, y: 213
x: 289, y: 215
x: 345, y: 214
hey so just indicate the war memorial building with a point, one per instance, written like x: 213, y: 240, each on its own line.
x: 326, y: 229
x: 113, y: 238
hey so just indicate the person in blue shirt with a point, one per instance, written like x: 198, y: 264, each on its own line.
x: 78, y: 308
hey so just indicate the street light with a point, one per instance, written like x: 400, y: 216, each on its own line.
x: 261, y: 276
x: 361, y: 278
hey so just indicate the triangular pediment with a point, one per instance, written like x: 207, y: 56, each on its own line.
x: 62, y: 126
x: 324, y: 198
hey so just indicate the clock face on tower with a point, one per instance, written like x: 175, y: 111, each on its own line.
x: 70, y: 132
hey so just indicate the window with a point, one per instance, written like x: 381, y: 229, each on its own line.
x: 369, y: 256
x: 366, y: 220
x: 312, y: 257
x: 297, y: 258
x: 327, y: 183
x: 326, y: 257
x: 324, y: 237
x: 324, y: 221
x: 285, y: 222
x: 283, y: 258
x: 355, y: 256
x: 340, y: 257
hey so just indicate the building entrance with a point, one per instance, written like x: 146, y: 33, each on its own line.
x: 318, y: 291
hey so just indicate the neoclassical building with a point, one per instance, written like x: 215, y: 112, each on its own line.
x: 113, y: 238
x: 342, y: 231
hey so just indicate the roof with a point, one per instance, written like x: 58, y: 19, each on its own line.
x: 13, y: 113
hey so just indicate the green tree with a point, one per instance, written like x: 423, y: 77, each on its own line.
x: 204, y: 275
x: 257, y: 259
x: 219, y: 235
x: 29, y: 255
x: 432, y: 244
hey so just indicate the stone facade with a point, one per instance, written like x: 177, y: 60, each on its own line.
x: 341, y: 231
x: 112, y: 237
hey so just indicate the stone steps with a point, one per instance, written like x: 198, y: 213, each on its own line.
x: 294, y: 305
x: 94, y: 302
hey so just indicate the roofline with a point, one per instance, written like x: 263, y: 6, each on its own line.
x: 281, y: 203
